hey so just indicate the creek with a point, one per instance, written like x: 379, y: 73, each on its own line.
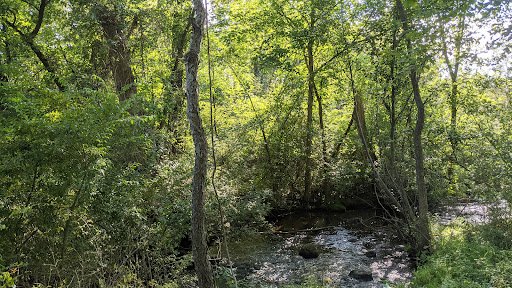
x: 350, y: 249
x: 354, y: 248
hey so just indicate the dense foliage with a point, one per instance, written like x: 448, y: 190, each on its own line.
x: 467, y: 256
x: 312, y: 106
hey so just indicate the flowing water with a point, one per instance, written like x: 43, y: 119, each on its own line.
x: 473, y: 211
x: 356, y: 249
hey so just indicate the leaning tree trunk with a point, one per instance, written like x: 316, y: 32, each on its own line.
x: 199, y: 247
x: 325, y: 180
x: 422, y: 228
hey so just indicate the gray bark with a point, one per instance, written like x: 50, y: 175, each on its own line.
x: 119, y: 53
x: 199, y: 247
x: 422, y: 228
x: 308, y: 143
x: 309, y: 124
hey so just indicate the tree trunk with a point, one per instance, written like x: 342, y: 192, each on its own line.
x: 422, y: 228
x: 4, y: 78
x: 453, y: 132
x: 173, y: 115
x: 392, y: 111
x: 175, y: 98
x: 453, y: 69
x: 403, y: 206
x: 119, y: 53
x: 7, y: 46
x: 325, y: 182
x: 360, y: 118
x: 46, y: 63
x: 8, y: 58
x: 199, y: 247
x: 309, y: 124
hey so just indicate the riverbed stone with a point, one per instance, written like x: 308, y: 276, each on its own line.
x: 360, y: 274
x: 371, y: 254
x: 309, y: 251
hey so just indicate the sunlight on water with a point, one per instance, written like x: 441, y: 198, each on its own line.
x: 345, y: 242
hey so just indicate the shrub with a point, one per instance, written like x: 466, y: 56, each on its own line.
x: 463, y: 256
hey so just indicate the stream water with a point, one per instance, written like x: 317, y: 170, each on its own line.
x: 473, y: 211
x: 355, y: 249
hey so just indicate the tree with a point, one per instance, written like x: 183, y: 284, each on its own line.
x: 199, y: 247
x: 116, y: 34
x: 401, y: 60
x: 305, y: 25
x: 422, y: 226
x: 181, y: 29
x: 453, y: 20
x: 11, y: 15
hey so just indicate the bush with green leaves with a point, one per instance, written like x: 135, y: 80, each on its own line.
x: 89, y: 192
x: 466, y: 256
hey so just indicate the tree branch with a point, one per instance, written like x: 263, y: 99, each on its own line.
x: 40, y: 17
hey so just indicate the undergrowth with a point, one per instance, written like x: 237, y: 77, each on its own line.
x: 468, y: 256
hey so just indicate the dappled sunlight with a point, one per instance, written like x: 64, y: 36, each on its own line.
x: 473, y: 211
x: 345, y: 245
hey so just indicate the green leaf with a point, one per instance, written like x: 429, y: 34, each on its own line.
x: 19, y: 211
x: 410, y: 3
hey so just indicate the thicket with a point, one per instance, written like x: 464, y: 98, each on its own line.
x: 88, y: 191
x: 469, y: 256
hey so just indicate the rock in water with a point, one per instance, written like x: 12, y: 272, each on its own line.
x: 362, y: 275
x: 309, y: 251
x: 371, y: 254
